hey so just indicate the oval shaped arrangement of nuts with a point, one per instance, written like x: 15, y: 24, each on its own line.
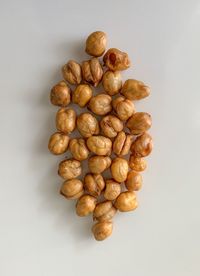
x: 112, y: 135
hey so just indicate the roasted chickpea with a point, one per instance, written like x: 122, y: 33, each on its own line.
x: 99, y: 145
x: 112, y: 190
x: 116, y: 60
x: 72, y: 72
x: 66, y: 120
x: 60, y: 94
x: 58, y: 143
x: 111, y: 125
x: 137, y: 163
x: 96, y: 43
x: 69, y: 169
x: 78, y: 149
x: 119, y: 169
x: 104, y: 211
x: 139, y: 123
x: 87, y: 125
x: 133, y: 181
x: 135, y: 90
x: 142, y: 146
x: 112, y: 82
x: 123, y: 107
x: 100, y: 104
x: 122, y: 143
x: 82, y: 94
x: 102, y: 230
x: 85, y: 205
x: 98, y: 164
x: 126, y: 201
x: 72, y: 189
x: 94, y: 184
x: 92, y: 71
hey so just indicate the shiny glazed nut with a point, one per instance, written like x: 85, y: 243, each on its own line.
x: 87, y: 125
x: 122, y: 143
x: 104, y: 211
x: 119, y: 169
x: 102, y: 230
x: 111, y: 125
x: 126, y: 201
x: 116, y: 60
x: 99, y: 145
x: 137, y: 163
x: 78, y: 149
x: 112, y: 190
x: 96, y: 44
x: 142, y: 146
x: 112, y: 82
x: 92, y: 71
x: 135, y: 90
x: 69, y: 169
x: 60, y: 94
x: 85, y: 205
x: 133, y: 181
x: 94, y: 184
x: 66, y: 120
x: 58, y: 143
x: 100, y: 104
x: 139, y: 122
x: 72, y: 72
x: 123, y: 107
x: 82, y: 94
x: 98, y: 164
x: 72, y: 189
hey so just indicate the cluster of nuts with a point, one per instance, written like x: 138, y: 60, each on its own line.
x: 101, y: 138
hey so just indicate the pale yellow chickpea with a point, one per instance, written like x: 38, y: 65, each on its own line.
x: 139, y: 123
x: 112, y: 190
x: 58, y: 143
x: 98, y: 164
x: 85, y: 205
x: 82, y: 94
x: 138, y: 164
x: 87, y: 125
x: 78, y: 149
x: 72, y: 189
x: 60, y: 94
x: 111, y: 125
x: 69, y: 169
x: 126, y: 201
x: 94, y: 184
x: 66, y: 120
x: 142, y: 146
x: 104, y: 211
x: 99, y: 145
x: 123, y: 107
x: 100, y: 104
x: 133, y: 181
x: 112, y: 82
x: 102, y: 230
x: 119, y: 169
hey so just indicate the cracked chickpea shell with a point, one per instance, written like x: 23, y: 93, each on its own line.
x: 110, y: 129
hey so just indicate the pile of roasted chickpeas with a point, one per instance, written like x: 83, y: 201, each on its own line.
x: 109, y: 130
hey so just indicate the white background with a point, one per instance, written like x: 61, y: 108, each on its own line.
x: 40, y: 233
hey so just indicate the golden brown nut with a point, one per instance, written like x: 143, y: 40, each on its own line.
x: 87, y: 125
x: 133, y: 181
x: 72, y: 189
x: 104, y: 211
x: 112, y: 82
x: 99, y: 145
x: 116, y: 60
x: 78, y: 149
x: 126, y: 201
x: 60, y: 94
x: 100, y: 104
x: 112, y: 190
x: 122, y: 143
x: 119, y: 169
x: 137, y: 163
x: 94, y: 184
x: 92, y: 71
x: 102, y: 230
x: 139, y: 122
x: 123, y: 107
x: 111, y: 125
x: 58, y: 143
x: 69, y: 169
x: 66, y: 120
x: 82, y: 94
x: 142, y: 146
x: 72, y: 72
x: 135, y: 90
x: 96, y: 44
x: 85, y: 205
x: 98, y: 164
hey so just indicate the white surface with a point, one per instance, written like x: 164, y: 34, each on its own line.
x: 39, y: 231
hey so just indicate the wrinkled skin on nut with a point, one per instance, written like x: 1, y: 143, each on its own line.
x: 100, y: 104
x: 126, y: 201
x: 85, y: 205
x: 123, y: 107
x: 94, y: 184
x: 72, y: 189
x: 111, y: 125
x: 96, y: 44
x: 139, y: 122
x: 58, y: 143
x: 60, y: 94
x: 133, y: 181
x: 142, y: 146
x: 92, y: 71
x: 82, y: 94
x: 112, y: 190
x: 72, y: 72
x: 87, y: 125
x: 138, y: 164
x: 122, y: 143
x: 116, y: 60
x: 69, y: 169
x: 66, y: 120
x: 104, y: 211
x: 102, y: 230
x: 112, y: 82
x: 135, y: 90
x: 78, y: 149
x: 119, y: 169
x: 99, y: 145
x: 98, y: 164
